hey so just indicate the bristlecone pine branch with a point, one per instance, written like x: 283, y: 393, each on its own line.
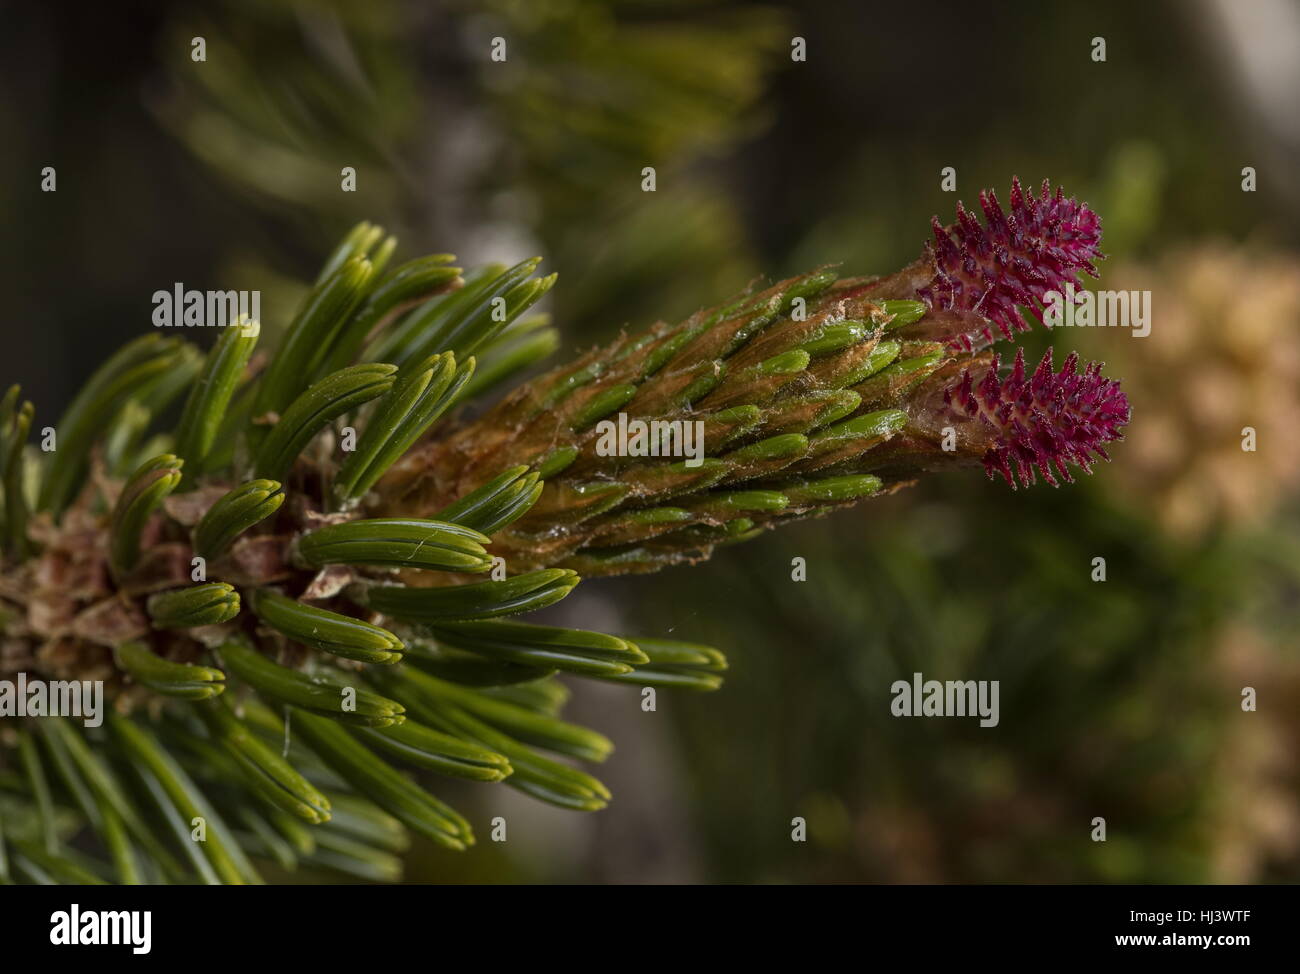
x: 331, y: 536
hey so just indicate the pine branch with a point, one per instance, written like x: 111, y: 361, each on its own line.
x: 332, y: 588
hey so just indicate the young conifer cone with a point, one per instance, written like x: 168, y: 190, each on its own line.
x: 808, y: 395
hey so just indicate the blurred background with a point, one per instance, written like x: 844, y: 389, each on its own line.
x: 1119, y: 699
